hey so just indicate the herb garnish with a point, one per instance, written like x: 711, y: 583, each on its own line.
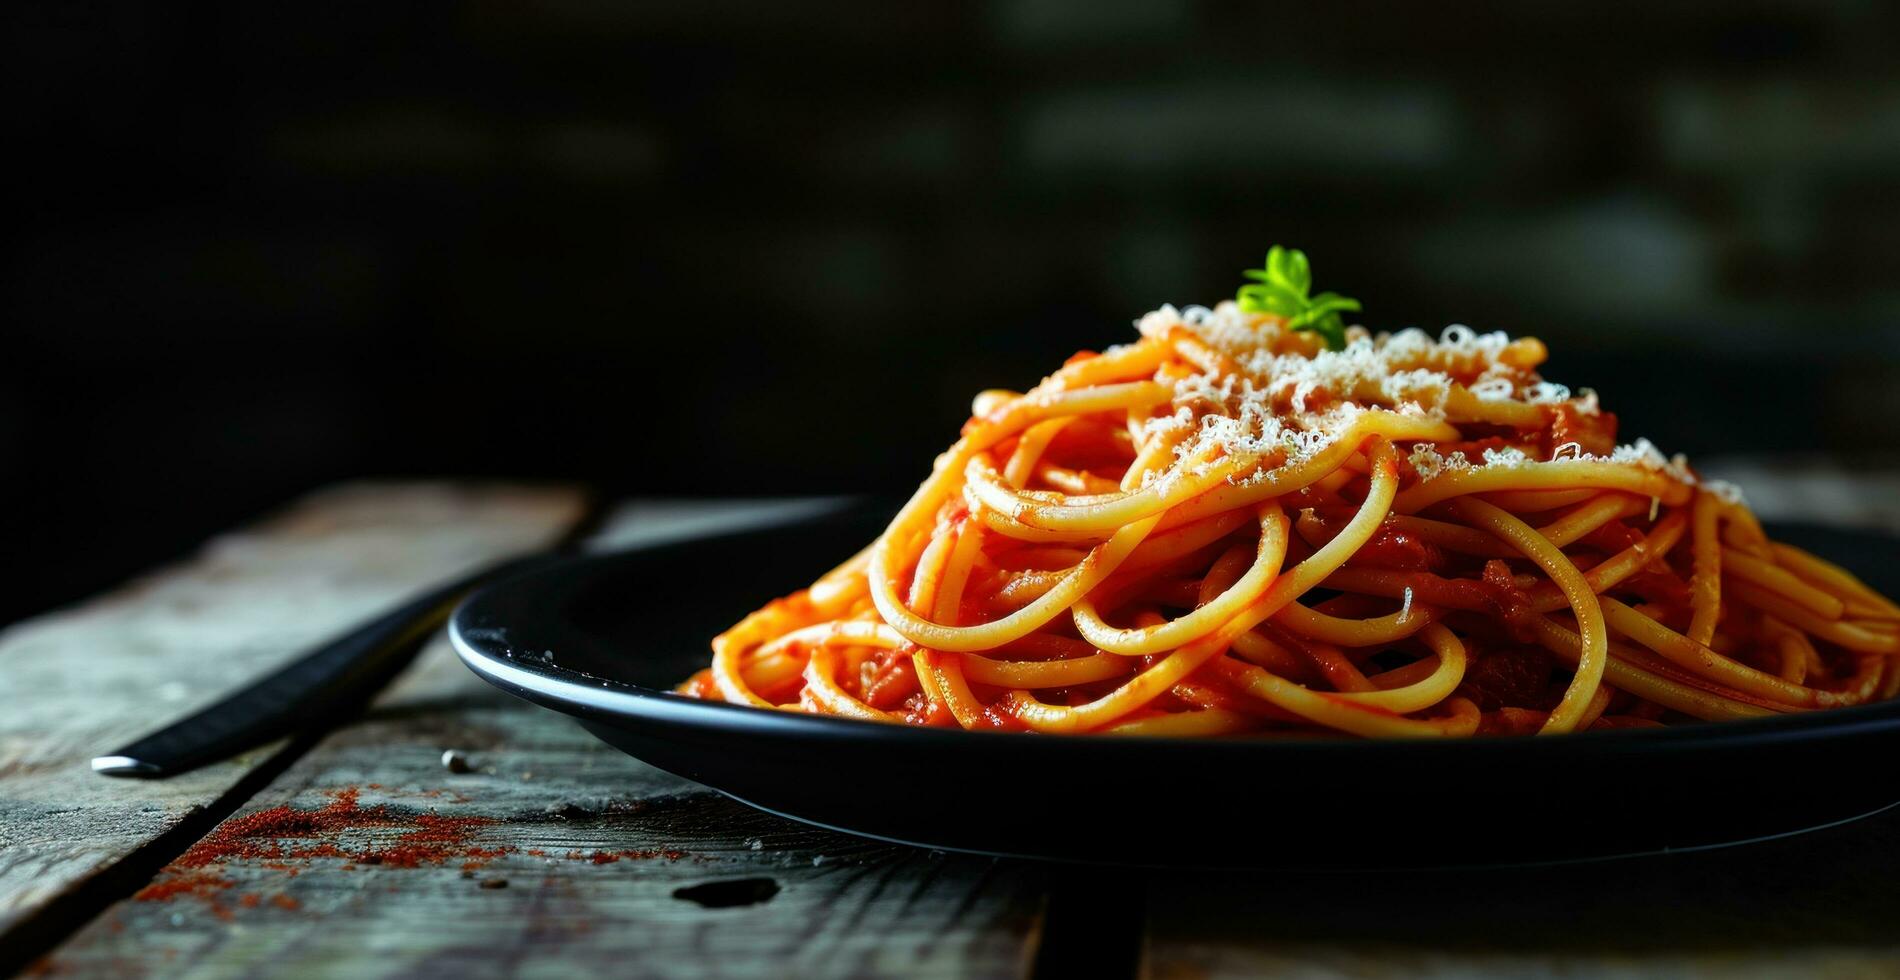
x: 1282, y: 290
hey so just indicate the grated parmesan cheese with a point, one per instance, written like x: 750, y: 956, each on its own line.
x: 1288, y: 399
x: 1506, y: 458
x: 1728, y: 492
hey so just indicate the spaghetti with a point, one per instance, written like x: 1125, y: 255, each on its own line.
x: 1225, y: 527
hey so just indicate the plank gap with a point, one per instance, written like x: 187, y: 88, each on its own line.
x: 1093, y: 922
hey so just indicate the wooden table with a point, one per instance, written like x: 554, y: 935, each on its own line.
x: 356, y: 852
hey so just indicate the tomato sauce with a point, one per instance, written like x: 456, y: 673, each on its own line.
x: 1594, y: 434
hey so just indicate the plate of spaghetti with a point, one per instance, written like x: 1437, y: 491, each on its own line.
x: 1382, y: 598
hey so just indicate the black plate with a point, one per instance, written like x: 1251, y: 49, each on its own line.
x: 602, y: 637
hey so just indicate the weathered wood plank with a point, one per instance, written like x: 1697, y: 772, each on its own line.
x: 1815, y: 905
x: 82, y: 681
x: 603, y: 858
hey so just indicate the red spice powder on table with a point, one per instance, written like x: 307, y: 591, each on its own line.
x: 199, y: 884
x: 609, y: 857
x: 286, y: 840
x: 264, y: 837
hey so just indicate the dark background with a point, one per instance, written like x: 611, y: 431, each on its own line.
x: 747, y: 247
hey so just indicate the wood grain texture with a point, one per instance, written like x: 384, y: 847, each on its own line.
x: 593, y: 847
x: 1814, y: 905
x: 85, y: 680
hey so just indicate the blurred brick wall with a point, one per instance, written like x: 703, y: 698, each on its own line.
x: 260, y: 248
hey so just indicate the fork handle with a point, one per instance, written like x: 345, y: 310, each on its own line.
x: 341, y: 673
